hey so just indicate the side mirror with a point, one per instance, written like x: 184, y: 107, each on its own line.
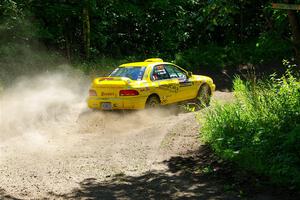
x: 189, y: 74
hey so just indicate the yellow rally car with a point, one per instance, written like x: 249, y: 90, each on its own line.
x: 148, y: 84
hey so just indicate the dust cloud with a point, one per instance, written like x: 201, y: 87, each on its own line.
x: 119, y: 122
x: 52, y: 105
x: 33, y: 104
x: 50, y: 141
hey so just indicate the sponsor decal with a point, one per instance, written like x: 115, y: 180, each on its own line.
x: 164, y: 99
x: 172, y: 88
x: 107, y: 94
x: 186, y: 84
x: 144, y: 89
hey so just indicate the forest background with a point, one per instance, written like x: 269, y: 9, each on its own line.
x: 212, y: 37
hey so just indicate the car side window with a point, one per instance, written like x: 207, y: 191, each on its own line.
x: 171, y: 70
x: 175, y: 72
x: 159, y: 73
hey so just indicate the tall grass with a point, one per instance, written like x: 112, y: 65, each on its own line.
x: 260, y: 130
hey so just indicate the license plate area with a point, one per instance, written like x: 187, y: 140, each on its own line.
x: 106, y: 106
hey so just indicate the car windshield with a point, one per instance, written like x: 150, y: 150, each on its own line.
x: 134, y: 73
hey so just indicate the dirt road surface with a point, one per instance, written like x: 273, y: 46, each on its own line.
x: 53, y: 147
x: 98, y: 146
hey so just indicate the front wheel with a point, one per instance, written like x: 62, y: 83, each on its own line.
x: 204, y: 96
x: 152, y: 102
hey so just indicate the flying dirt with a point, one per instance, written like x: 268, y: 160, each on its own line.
x: 50, y: 141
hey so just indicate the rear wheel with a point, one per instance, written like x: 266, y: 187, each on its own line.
x: 203, y: 96
x: 152, y: 102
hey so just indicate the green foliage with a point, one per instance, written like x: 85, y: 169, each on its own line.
x: 130, y: 27
x: 14, y: 25
x: 214, y: 57
x: 209, y: 57
x: 214, y: 34
x: 102, y: 66
x: 260, y: 130
x: 21, y: 60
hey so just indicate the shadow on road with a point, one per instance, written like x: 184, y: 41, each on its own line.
x: 152, y: 185
x: 202, y: 175
x: 199, y: 176
x: 186, y: 177
x: 4, y: 195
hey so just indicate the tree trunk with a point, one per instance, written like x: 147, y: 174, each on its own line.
x: 86, y: 31
x: 68, y: 48
x: 67, y: 39
x: 295, y: 26
x: 241, y: 22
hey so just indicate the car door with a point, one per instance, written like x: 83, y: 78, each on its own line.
x: 186, y: 87
x: 166, y: 87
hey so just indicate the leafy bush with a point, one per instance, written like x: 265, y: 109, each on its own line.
x: 260, y: 130
x: 102, y: 66
x: 211, y: 57
x: 21, y: 60
x: 265, y: 49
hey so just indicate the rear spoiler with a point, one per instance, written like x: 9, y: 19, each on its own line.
x: 125, y: 80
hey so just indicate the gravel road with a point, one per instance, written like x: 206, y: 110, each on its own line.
x: 53, y: 151
x: 97, y: 145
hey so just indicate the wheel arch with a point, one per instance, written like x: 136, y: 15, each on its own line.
x: 153, y: 94
x: 203, y: 85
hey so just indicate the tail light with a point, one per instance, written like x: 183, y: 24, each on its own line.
x: 129, y: 93
x: 92, y: 93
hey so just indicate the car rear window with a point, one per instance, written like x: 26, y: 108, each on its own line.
x: 134, y: 73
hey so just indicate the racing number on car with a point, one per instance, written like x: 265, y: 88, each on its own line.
x: 173, y: 88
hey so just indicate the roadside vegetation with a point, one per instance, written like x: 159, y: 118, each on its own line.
x: 260, y: 129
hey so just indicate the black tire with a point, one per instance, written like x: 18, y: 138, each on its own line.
x: 152, y: 102
x: 204, y: 96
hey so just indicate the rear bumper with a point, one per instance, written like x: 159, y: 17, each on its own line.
x: 126, y: 103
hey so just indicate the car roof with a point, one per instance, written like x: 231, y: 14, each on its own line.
x: 135, y: 64
x: 147, y: 62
